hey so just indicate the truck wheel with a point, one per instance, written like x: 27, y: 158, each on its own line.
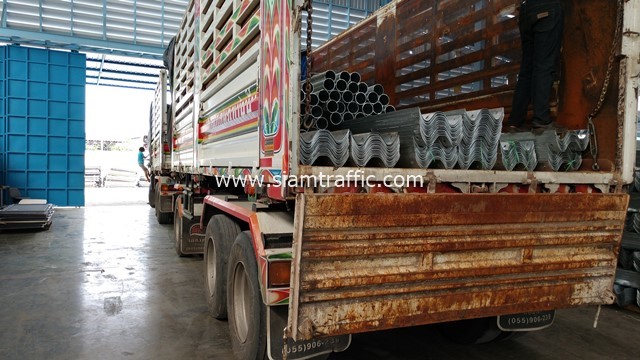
x: 473, y: 331
x: 177, y: 226
x: 163, y: 218
x: 247, y: 313
x: 152, y: 194
x: 220, y: 234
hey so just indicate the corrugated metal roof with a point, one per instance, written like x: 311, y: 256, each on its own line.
x: 141, y: 28
x: 124, y: 39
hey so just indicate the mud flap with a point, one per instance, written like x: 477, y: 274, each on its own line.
x: 192, y: 236
x: 296, y: 350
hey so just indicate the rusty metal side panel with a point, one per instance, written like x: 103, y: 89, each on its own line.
x: 366, y: 262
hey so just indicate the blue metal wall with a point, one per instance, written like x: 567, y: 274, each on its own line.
x: 2, y: 117
x: 44, y: 123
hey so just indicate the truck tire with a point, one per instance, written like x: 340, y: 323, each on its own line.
x: 247, y: 313
x: 177, y: 226
x: 163, y: 218
x: 220, y: 234
x: 152, y: 194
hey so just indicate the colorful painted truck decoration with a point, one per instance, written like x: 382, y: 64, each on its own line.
x: 299, y: 257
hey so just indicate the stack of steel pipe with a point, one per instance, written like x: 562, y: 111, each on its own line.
x: 375, y: 148
x: 323, y: 147
x: 480, y: 138
x: 338, y: 97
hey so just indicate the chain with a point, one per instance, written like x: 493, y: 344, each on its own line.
x: 307, y: 94
x: 605, y: 87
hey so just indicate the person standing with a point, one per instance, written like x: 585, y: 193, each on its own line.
x: 141, y: 163
x: 541, y: 24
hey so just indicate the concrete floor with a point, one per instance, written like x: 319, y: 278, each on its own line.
x: 104, y: 283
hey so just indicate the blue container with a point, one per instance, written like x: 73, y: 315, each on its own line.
x: 42, y: 123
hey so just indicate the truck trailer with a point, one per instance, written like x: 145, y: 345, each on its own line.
x: 310, y: 233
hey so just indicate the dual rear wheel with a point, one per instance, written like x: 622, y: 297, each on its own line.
x: 231, y: 286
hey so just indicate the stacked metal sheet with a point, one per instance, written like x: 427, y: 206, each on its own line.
x: 323, y: 146
x: 444, y: 128
x: 375, y: 148
x: 480, y: 134
x: 518, y: 153
x: 337, y: 97
x: 426, y: 155
x: 459, y: 138
x: 405, y: 123
x: 566, y: 152
x: 21, y: 216
x: 557, y: 152
x: 120, y: 177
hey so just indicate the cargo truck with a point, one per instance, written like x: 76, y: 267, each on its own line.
x: 298, y: 255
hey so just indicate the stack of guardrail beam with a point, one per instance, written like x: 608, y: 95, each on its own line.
x: 375, y: 148
x: 514, y: 153
x: 566, y: 152
x: 322, y: 145
x: 557, y: 152
x: 459, y: 138
x: 405, y: 123
x: 465, y: 139
x: 480, y: 138
x: 440, y: 134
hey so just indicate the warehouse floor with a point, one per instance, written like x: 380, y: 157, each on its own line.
x: 104, y: 283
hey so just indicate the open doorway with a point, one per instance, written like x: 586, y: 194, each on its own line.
x: 117, y: 123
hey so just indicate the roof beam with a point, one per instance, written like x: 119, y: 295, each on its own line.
x: 153, y: 83
x: 80, y: 43
x: 100, y: 71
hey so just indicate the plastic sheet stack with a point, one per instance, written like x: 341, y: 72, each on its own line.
x: 323, y: 147
x: 375, y: 148
x: 460, y: 137
x: 26, y: 217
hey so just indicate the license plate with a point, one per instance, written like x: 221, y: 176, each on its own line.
x: 526, y: 321
x: 311, y: 348
x: 298, y: 350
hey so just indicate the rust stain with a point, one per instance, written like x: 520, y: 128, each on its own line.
x: 377, y: 261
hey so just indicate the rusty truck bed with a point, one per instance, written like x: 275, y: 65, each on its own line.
x: 377, y: 261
